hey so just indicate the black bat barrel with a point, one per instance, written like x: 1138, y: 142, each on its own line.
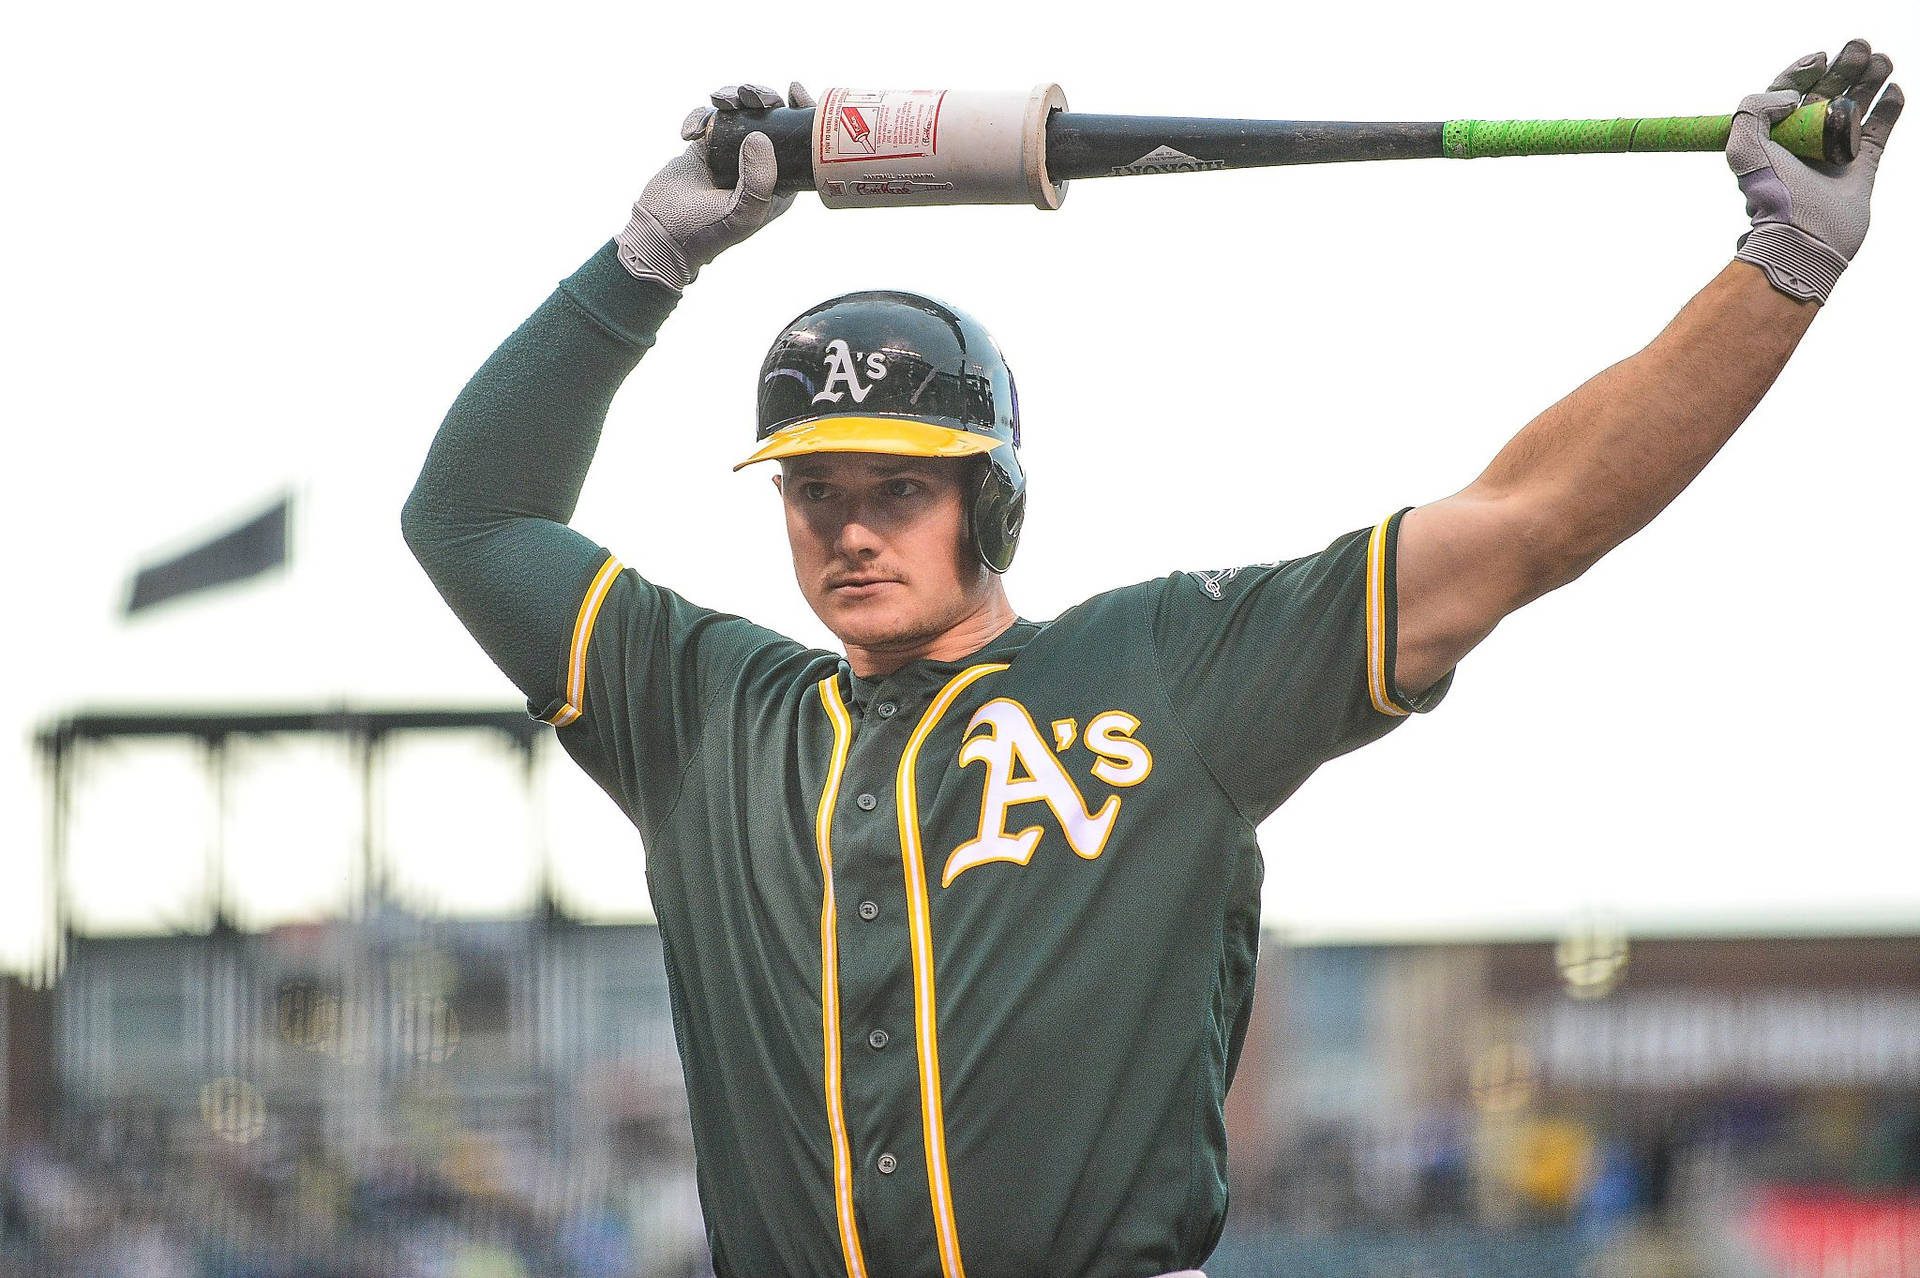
x: 1087, y: 146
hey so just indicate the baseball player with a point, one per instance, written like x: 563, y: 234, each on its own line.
x: 960, y: 924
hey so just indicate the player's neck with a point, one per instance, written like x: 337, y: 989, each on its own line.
x: 969, y: 635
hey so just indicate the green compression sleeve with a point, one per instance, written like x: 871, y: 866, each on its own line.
x: 487, y: 518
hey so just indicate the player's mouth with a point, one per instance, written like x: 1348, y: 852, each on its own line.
x: 859, y: 587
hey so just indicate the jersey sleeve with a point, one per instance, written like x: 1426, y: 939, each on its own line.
x: 1276, y: 668
x: 637, y: 682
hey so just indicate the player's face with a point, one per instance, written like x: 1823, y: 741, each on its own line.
x: 880, y: 547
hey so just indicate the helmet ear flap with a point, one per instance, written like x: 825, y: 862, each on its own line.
x: 999, y: 508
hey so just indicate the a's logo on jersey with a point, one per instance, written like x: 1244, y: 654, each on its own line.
x: 841, y: 372
x: 1023, y: 768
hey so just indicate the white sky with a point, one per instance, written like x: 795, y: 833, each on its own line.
x: 251, y: 247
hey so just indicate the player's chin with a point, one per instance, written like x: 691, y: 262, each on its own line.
x: 863, y: 621
x: 870, y: 620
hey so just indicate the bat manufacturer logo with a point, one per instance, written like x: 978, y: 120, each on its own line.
x: 841, y: 371
x: 1164, y: 159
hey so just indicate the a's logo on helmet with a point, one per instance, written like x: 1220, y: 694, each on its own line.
x: 841, y: 371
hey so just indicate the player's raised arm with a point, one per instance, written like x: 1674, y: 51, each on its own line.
x: 487, y: 518
x: 1594, y: 468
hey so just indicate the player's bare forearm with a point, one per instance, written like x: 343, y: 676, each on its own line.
x: 1593, y: 469
x: 1590, y: 471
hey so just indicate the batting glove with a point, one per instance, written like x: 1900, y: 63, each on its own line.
x: 1808, y: 217
x: 683, y: 220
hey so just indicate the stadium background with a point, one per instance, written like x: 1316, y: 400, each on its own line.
x: 1608, y: 967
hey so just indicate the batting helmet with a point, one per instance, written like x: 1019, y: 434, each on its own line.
x: 891, y: 372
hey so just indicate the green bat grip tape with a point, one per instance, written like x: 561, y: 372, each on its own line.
x: 1802, y: 133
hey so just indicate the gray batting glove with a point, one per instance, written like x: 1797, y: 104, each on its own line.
x: 683, y: 220
x: 1808, y: 217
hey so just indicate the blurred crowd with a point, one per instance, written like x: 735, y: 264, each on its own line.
x: 502, y: 1101
x: 1682, y: 1192
x: 1578, y: 1164
x: 136, y: 1204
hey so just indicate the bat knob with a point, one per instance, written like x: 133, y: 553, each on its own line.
x: 1840, y: 138
x: 1822, y: 130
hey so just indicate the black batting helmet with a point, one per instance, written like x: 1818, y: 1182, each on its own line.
x: 892, y: 372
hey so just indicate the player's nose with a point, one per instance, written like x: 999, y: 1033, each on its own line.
x: 857, y: 536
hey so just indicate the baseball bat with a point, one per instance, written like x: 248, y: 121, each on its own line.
x: 1079, y: 145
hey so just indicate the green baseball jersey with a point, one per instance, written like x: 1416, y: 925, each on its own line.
x: 960, y: 958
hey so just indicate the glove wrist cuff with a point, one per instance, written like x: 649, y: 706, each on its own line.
x: 648, y: 253
x: 1795, y: 263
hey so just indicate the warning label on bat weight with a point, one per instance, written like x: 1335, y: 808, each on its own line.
x: 859, y: 126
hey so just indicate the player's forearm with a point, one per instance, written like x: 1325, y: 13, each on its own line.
x: 1594, y: 468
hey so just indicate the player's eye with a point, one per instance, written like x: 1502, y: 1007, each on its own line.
x: 815, y: 491
x: 902, y: 487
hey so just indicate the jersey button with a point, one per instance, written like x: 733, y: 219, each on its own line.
x: 886, y: 1163
x: 877, y: 1039
x: 885, y: 709
x: 867, y: 803
x: 869, y: 911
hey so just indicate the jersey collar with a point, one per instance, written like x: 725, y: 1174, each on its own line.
x: 918, y: 680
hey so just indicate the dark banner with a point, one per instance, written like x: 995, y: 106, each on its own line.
x: 246, y: 551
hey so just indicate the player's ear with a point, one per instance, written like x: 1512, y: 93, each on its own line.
x: 776, y: 485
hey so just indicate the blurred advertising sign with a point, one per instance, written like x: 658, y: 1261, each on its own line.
x: 1667, y: 1040
x: 1807, y: 1233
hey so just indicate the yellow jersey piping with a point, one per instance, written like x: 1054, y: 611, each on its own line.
x: 925, y: 1010
x: 582, y: 632
x: 1379, y: 680
x: 830, y: 982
